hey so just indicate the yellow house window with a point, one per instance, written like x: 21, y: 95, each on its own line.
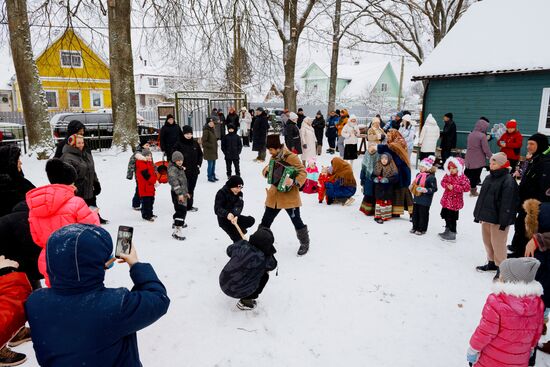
x: 96, y: 99
x: 51, y: 98
x: 74, y: 99
x: 71, y: 59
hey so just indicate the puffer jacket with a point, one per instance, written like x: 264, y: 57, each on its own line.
x: 510, y: 326
x: 512, y: 144
x: 498, y: 200
x: 232, y: 146
x: 227, y: 202
x: 146, y: 177
x: 50, y: 208
x: 454, y: 199
x: 478, y: 150
x: 177, y: 179
x: 429, y: 135
x: 83, y: 163
x: 14, y: 291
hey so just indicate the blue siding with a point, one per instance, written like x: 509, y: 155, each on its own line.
x: 497, y: 97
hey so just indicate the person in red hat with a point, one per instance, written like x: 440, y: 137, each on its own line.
x: 510, y: 143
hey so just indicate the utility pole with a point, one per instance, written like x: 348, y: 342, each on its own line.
x: 401, y: 83
x: 237, y: 19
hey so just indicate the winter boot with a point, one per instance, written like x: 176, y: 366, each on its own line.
x: 23, y: 336
x: 490, y: 266
x: 497, y: 275
x: 303, y: 237
x: 178, y: 235
x: 10, y: 358
x: 444, y: 233
x: 473, y: 192
x: 246, y: 304
x: 449, y: 236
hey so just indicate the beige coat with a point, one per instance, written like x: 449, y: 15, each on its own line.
x: 375, y: 134
x: 286, y: 200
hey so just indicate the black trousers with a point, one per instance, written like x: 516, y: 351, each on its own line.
x: 513, y: 165
x: 450, y: 217
x: 191, y: 184
x: 261, y: 286
x: 474, y: 175
x: 147, y: 206
x: 519, y: 241
x: 246, y: 141
x: 180, y: 211
x: 235, y: 162
x: 243, y: 221
x: 91, y: 201
x: 445, y: 154
x: 262, y: 153
x: 420, y: 217
x: 135, y: 200
x: 270, y: 214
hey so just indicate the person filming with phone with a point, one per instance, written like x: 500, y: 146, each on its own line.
x: 78, y: 321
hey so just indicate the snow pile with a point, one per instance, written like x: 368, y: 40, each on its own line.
x: 494, y: 36
x: 365, y: 294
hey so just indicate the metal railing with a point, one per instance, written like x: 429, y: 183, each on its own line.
x: 13, y: 134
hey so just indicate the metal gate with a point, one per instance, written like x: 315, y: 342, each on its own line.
x: 194, y: 107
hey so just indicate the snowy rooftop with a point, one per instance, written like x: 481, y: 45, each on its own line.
x: 493, y: 36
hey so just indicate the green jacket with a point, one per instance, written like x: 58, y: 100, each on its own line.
x: 209, y: 143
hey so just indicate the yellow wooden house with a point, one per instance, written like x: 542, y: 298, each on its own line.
x: 74, y: 77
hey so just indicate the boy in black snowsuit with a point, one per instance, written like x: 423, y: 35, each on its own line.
x: 228, y: 207
x: 231, y: 148
x: 246, y: 273
x: 178, y: 183
x: 192, y: 161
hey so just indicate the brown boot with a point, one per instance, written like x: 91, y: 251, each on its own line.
x: 545, y: 348
x: 23, y: 336
x: 10, y: 358
x: 473, y: 192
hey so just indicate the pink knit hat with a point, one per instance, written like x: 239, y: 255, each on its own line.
x: 428, y: 162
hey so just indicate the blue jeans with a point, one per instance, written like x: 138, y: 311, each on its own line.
x: 211, y: 170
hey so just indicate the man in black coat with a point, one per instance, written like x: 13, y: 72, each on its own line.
x: 192, y: 161
x: 232, y: 146
x: 232, y: 119
x: 448, y: 137
x: 533, y: 185
x: 260, y: 127
x: 17, y: 243
x: 301, y: 117
x: 170, y: 135
x: 228, y: 207
x: 13, y: 184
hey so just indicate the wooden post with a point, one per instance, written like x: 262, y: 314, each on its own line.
x: 401, y: 83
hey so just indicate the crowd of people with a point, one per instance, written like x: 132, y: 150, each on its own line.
x: 47, y: 225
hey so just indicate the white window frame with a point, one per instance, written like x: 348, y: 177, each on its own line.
x: 79, y: 98
x: 56, y: 98
x: 153, y: 85
x: 544, y: 106
x: 92, y: 92
x: 71, y: 52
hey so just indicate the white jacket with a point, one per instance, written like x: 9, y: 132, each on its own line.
x: 245, y: 122
x: 429, y: 135
x: 309, y: 146
x: 348, y: 133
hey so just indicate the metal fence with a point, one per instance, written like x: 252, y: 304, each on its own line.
x: 15, y: 135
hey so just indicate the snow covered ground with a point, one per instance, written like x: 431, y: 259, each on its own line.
x: 365, y: 295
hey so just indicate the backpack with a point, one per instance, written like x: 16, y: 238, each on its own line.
x: 161, y: 168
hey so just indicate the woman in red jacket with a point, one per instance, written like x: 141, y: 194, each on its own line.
x: 510, y: 143
x: 14, y: 291
x: 147, y: 180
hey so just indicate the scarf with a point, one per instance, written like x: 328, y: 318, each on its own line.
x: 398, y: 145
x: 386, y: 171
x: 369, y: 161
x: 342, y: 170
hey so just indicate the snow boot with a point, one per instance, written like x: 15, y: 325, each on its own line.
x: 177, y: 234
x: 497, y: 275
x: 490, y: 266
x: 23, y: 336
x: 445, y: 232
x: 246, y: 304
x: 449, y: 236
x: 473, y: 192
x: 10, y: 358
x: 303, y: 237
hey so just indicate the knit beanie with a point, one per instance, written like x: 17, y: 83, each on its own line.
x: 448, y: 115
x: 512, y: 124
x: 186, y: 129
x: 177, y: 156
x: 273, y: 142
x: 501, y: 159
x: 428, y: 162
x: 234, y: 181
x: 542, y: 142
x: 293, y: 117
x: 521, y: 269
x: 72, y: 140
x: 60, y: 172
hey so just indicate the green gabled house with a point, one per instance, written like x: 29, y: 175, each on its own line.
x: 495, y: 62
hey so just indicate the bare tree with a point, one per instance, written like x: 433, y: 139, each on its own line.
x: 289, y: 29
x: 33, y: 98
x: 122, y: 74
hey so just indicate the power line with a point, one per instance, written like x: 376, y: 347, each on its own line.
x: 105, y: 27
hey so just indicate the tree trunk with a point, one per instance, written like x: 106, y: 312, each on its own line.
x: 123, y: 96
x: 334, y: 58
x: 33, y: 98
x: 289, y: 93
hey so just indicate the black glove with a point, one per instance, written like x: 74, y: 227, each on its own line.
x: 145, y: 174
x: 97, y: 188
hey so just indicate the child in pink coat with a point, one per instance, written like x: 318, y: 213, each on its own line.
x: 455, y: 184
x: 511, y: 321
x: 54, y: 206
x: 311, y: 187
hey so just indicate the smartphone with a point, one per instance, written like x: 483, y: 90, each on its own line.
x: 124, y: 240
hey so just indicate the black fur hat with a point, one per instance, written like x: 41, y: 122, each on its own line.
x: 60, y: 172
x: 263, y: 239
